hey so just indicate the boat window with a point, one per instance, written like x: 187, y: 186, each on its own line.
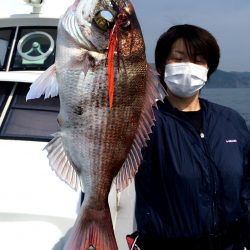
x: 32, y: 120
x: 34, y: 49
x: 5, y: 44
x: 5, y: 89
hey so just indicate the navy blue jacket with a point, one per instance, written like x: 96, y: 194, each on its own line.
x: 193, y: 183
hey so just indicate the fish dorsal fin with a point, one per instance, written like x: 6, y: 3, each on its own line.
x: 46, y: 84
x: 61, y: 163
x: 154, y: 92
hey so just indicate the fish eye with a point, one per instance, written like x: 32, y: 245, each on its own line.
x: 104, y: 19
x: 107, y: 15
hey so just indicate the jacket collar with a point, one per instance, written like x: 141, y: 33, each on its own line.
x: 167, y: 108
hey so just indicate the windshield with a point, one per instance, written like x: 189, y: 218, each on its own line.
x: 34, y: 49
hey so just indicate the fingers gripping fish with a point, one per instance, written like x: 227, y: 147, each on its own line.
x: 107, y: 91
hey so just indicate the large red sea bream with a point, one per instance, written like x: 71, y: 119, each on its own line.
x: 106, y: 91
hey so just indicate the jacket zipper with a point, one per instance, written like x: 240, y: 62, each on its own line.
x: 213, y: 181
x: 201, y: 135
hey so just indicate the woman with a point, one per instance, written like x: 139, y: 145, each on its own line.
x: 192, y: 188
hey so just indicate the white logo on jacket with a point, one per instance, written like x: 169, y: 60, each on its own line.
x: 231, y: 141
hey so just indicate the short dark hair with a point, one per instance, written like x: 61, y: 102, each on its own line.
x: 197, y: 41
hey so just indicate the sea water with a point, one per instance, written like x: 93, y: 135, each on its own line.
x: 236, y: 98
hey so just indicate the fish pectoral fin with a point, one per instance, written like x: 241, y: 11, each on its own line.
x: 46, y: 84
x: 154, y: 92
x: 61, y: 163
x: 129, y: 167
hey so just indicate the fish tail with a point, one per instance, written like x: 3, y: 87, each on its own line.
x: 93, y: 230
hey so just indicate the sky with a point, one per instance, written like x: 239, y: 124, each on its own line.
x: 227, y: 20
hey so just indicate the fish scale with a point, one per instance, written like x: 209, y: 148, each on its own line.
x: 100, y: 140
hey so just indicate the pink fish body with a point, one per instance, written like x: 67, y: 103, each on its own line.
x: 106, y: 91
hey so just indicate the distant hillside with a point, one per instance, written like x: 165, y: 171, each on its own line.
x: 222, y: 79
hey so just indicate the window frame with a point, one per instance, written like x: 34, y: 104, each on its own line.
x: 10, y: 44
x: 12, y: 106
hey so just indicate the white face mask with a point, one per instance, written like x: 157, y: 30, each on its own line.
x: 185, y: 79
